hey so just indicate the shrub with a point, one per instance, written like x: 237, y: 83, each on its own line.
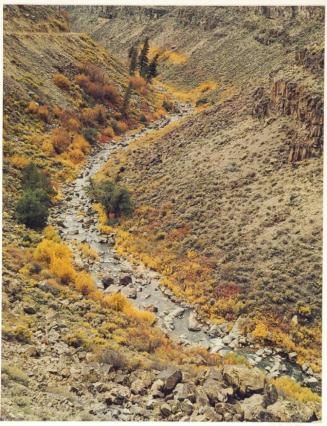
x: 122, y: 126
x: 63, y: 269
x: 43, y: 113
x: 47, y: 249
x: 110, y: 93
x: 19, y: 162
x: 169, y: 106
x: 84, y: 283
x: 33, y: 178
x: 90, y: 134
x: 32, y: 107
x: 109, y: 132
x: 115, y: 199
x: 116, y: 359
x: 14, y: 373
x: 60, y: 140
x: 73, y: 124
x: 116, y: 301
x: 137, y: 82
x: 82, y: 80
x: 290, y: 388
x: 61, y: 81
x: 31, y: 211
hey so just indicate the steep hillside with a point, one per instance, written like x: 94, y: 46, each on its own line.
x: 228, y: 190
x: 146, y: 297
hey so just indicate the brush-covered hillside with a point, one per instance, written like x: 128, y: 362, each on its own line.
x: 162, y: 213
x: 237, y: 189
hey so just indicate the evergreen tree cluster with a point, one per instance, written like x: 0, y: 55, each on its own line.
x: 32, y: 207
x: 148, y: 69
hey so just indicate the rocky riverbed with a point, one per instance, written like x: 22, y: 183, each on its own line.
x: 76, y: 220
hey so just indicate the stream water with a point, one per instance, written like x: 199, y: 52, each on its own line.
x: 144, y: 287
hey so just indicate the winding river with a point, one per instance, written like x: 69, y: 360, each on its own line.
x: 76, y: 220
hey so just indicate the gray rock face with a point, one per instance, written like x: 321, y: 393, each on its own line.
x: 193, y: 324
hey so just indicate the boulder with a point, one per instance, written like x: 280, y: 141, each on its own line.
x: 187, y: 407
x: 184, y: 391
x: 172, y: 379
x: 291, y: 411
x: 165, y: 410
x: 125, y: 279
x: 193, y: 323
x: 107, y: 281
x: 253, y: 408
x: 244, y: 380
x: 216, y: 345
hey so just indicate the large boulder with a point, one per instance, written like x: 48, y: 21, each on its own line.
x: 253, y: 408
x: 291, y: 411
x: 244, y: 380
x: 193, y: 323
x: 173, y: 377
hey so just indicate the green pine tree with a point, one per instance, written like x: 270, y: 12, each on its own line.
x: 143, y: 59
x: 133, y: 61
x: 152, y: 69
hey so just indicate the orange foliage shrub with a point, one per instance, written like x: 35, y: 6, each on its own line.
x: 109, y: 131
x: 32, y: 107
x: 82, y: 80
x: 115, y: 301
x: 61, y: 81
x: 47, y: 249
x: 122, y: 126
x: 137, y: 82
x: 110, y: 93
x: 76, y: 156
x: 60, y: 140
x: 95, y: 84
x: 41, y: 110
x: 73, y: 124
x: 43, y: 113
x: 90, y: 115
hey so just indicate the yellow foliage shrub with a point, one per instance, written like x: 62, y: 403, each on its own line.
x: 88, y: 251
x: 84, y: 283
x: 115, y: 301
x: 79, y: 142
x: 46, y: 250
x: 290, y: 388
x: 261, y: 331
x: 61, y: 81
x: 63, y: 269
x: 51, y: 233
x: 19, y: 162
